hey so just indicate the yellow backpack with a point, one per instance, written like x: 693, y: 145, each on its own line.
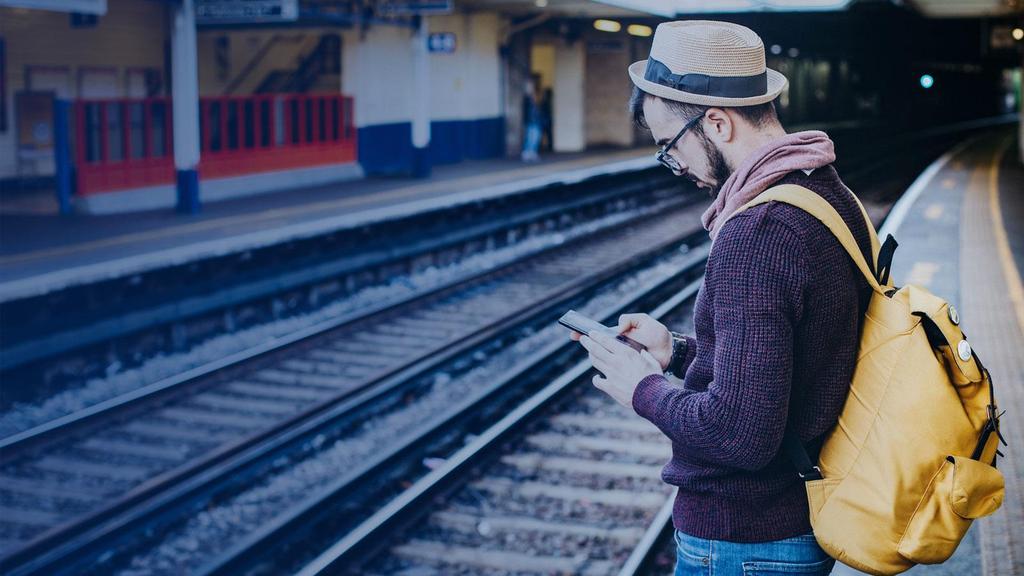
x: 911, y: 462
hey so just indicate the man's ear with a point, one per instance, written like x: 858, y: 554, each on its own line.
x: 719, y: 125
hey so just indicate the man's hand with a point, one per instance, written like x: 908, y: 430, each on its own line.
x: 622, y: 366
x: 649, y: 332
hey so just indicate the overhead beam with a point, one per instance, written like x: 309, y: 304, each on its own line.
x: 963, y: 8
x: 98, y: 7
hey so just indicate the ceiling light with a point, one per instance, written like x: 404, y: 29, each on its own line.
x: 541, y: 3
x: 673, y: 8
x: 793, y: 52
x: 776, y: 49
x: 639, y: 30
x: 1018, y: 33
x: 607, y: 25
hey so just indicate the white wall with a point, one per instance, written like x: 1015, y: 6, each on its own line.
x: 466, y: 84
x: 377, y: 71
x: 131, y: 35
x: 607, y: 88
x: 568, y: 108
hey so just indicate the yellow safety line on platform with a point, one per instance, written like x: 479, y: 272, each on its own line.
x: 402, y: 193
x: 1014, y: 285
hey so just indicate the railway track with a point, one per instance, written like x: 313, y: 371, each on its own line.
x: 568, y: 483
x: 59, y: 485
x: 356, y: 488
x: 69, y: 337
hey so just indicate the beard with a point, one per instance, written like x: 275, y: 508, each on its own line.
x: 717, y: 167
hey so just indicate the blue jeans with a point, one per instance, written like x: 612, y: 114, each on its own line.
x: 796, y: 555
x: 531, y: 143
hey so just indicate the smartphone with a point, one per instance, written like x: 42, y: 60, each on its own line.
x: 573, y: 320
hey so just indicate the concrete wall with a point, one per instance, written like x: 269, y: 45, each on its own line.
x: 103, y: 59
x: 516, y: 70
x: 465, y: 97
x: 606, y: 90
x: 568, y: 130
x: 466, y: 84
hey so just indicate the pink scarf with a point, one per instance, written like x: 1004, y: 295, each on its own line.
x: 765, y: 166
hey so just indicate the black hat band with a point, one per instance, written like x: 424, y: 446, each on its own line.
x: 705, y: 85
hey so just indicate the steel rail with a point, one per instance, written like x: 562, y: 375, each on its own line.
x: 288, y: 524
x: 371, y: 535
x: 164, y: 493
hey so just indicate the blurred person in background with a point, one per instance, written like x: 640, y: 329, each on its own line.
x: 531, y: 123
x: 547, y: 122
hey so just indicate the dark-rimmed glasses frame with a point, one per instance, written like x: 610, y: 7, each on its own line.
x: 664, y: 157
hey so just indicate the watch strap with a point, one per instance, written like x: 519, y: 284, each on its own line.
x: 680, y: 346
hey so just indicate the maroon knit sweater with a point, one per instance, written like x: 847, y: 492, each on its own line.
x: 777, y: 324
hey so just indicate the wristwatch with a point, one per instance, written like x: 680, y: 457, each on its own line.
x: 680, y: 345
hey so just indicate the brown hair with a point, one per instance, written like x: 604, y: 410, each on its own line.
x: 758, y: 115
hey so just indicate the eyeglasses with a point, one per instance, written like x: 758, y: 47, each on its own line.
x: 666, y: 159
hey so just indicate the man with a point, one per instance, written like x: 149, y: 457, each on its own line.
x: 777, y: 318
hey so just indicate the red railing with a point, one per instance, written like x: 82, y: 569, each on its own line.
x: 122, y: 144
x: 127, y: 143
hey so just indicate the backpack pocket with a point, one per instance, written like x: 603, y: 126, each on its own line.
x: 818, y: 492
x: 960, y: 491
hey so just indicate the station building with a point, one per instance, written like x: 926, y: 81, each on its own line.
x: 123, y: 105
x: 298, y: 98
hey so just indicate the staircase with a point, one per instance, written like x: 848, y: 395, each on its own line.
x: 277, y: 52
x: 291, y: 63
x: 317, y: 71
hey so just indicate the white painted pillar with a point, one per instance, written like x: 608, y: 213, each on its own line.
x: 568, y: 108
x: 185, y: 105
x: 421, y: 101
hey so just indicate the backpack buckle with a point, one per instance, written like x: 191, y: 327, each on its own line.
x: 993, y: 421
x: 813, y: 474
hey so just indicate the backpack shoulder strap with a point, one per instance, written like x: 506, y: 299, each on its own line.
x: 820, y: 208
x: 872, y: 234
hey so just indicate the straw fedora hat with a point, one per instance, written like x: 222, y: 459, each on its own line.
x: 707, y: 63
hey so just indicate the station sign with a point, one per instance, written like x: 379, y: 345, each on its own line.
x: 409, y: 7
x: 98, y: 7
x: 441, y: 42
x: 245, y: 11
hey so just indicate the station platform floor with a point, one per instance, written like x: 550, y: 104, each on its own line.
x: 960, y: 229
x: 39, y: 252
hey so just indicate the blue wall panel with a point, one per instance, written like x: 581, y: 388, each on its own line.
x: 447, y: 141
x: 485, y: 138
x: 387, y: 148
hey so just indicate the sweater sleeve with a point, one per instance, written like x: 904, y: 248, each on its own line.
x: 757, y: 285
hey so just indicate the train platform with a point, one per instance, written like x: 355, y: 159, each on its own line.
x: 39, y: 253
x: 960, y: 229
